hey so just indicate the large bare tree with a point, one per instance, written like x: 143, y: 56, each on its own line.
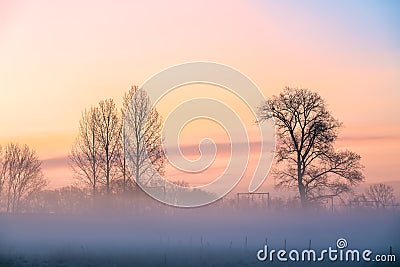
x: 307, y: 160
x: 21, y: 173
x: 142, y: 137
x: 85, y: 153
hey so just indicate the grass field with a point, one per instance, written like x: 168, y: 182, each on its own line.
x: 188, y: 237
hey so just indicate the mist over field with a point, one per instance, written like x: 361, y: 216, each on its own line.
x: 185, y: 237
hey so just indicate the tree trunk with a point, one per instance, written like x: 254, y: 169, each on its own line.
x: 124, y: 175
x: 123, y: 160
x: 107, y: 169
x: 302, y: 191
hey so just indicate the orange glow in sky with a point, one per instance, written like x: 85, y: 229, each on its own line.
x: 59, y: 57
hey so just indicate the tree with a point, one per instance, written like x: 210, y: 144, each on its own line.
x: 127, y: 182
x: 95, y: 154
x: 306, y: 132
x: 85, y: 153
x: 381, y: 194
x: 142, y: 137
x: 108, y: 127
x: 22, y: 174
x: 100, y: 152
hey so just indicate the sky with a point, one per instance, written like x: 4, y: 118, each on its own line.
x: 59, y: 57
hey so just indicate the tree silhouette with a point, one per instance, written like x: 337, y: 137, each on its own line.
x: 127, y: 181
x: 142, y: 137
x: 21, y: 175
x: 85, y: 154
x: 99, y: 154
x: 306, y: 132
x: 381, y: 194
x: 108, y: 126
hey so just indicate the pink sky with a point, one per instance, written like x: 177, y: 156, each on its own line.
x: 59, y: 57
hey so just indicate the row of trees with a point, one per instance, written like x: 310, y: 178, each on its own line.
x: 75, y: 199
x: 118, y: 148
x: 306, y: 158
x: 99, y: 155
x: 20, y: 176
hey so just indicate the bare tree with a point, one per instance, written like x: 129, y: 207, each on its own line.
x: 108, y: 127
x: 99, y: 153
x: 85, y: 153
x: 142, y: 133
x: 22, y: 174
x: 306, y: 132
x: 381, y: 194
x: 126, y: 181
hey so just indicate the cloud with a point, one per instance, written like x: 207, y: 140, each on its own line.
x: 56, y: 162
x: 360, y: 138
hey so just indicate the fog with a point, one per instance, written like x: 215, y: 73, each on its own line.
x: 150, y: 237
